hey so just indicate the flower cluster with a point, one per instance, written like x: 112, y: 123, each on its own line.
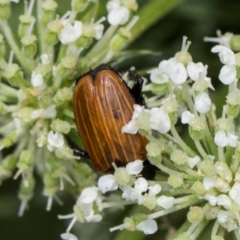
x: 36, y: 120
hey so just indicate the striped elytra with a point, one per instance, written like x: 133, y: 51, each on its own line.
x: 103, y: 104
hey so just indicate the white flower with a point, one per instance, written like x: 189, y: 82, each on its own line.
x: 107, y: 183
x: 37, y: 80
x: 68, y: 236
x: 211, y: 199
x: 118, y: 15
x: 202, y: 102
x: 234, y: 193
x: 228, y: 72
x: 55, y: 140
x: 192, y: 162
x: 165, y: 202
x: 208, y: 183
x: 222, y: 139
x: 160, y: 120
x: 186, y: 117
x: 223, y: 216
x: 70, y: 33
x: 221, y: 39
x: 141, y: 185
x: 154, y: 190
x: 148, y: 226
x: 223, y: 200
x: 49, y: 112
x: 134, y: 167
x: 158, y: 77
x: 140, y: 120
x: 44, y: 59
x: 197, y: 71
x: 88, y: 195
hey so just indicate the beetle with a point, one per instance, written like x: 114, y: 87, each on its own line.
x: 102, y: 105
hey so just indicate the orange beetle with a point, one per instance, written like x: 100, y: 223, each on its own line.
x: 103, y: 104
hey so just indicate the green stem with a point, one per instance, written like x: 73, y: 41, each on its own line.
x: 200, y: 149
x: 25, y: 64
x: 188, y: 97
x: 181, y: 143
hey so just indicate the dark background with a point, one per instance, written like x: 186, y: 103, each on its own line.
x: 192, y: 18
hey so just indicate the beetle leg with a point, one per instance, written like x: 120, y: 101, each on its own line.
x: 80, y: 152
x: 136, y: 90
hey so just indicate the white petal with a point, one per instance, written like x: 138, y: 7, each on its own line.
x: 166, y: 66
x: 226, y: 55
x: 158, y: 77
x: 129, y: 193
x: 211, y: 199
x: 55, y: 139
x: 107, y: 183
x: 186, y: 117
x: 203, y: 102
x: 36, y: 79
x: 221, y: 139
x: 223, y: 200
x: 118, y: 16
x: 232, y: 140
x: 113, y: 4
x: 94, y: 218
x: 141, y: 185
x: 234, y: 193
x: 160, y: 120
x: 70, y: 33
x: 68, y: 236
x: 88, y: 195
x: 134, y: 167
x: 194, y: 70
x: 178, y: 73
x: 223, y: 216
x: 208, y: 183
x: 148, y: 226
x: 227, y: 74
x: 44, y: 58
x: 49, y: 112
x: 192, y: 162
x: 132, y: 127
x: 165, y: 202
x: 154, y: 190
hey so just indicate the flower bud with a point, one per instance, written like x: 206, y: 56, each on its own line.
x: 233, y: 104
x: 58, y: 125
x: 63, y: 95
x: 235, y: 43
x: 224, y: 124
x: 9, y: 140
x: 25, y: 22
x: 29, y: 45
x: 207, y: 168
x: 79, y: 5
x: 26, y: 188
x: 3, y: 108
x: 13, y: 75
x: 149, y: 201
x: 48, y: 11
x: 195, y: 214
x: 175, y: 180
x: 198, y: 188
x: 67, y: 64
x: 5, y: 9
x: 197, y: 128
x: 129, y: 224
x: 183, y: 57
x: 7, y: 166
x: 123, y: 178
x: 51, y: 184
x: 53, y: 28
x: 83, y: 42
x: 25, y: 162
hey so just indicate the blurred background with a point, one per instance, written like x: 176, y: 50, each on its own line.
x: 192, y: 18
